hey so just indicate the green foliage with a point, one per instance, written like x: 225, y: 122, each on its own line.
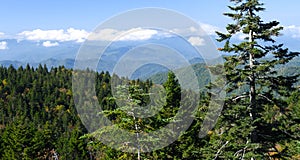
x: 131, y: 98
x: 260, y: 119
x: 255, y: 118
x: 38, y: 117
x: 38, y: 120
x: 173, y: 90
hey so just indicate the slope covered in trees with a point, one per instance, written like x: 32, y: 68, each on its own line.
x: 39, y: 120
x: 260, y: 118
x: 253, y: 121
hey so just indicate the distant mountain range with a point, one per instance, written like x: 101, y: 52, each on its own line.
x: 21, y: 53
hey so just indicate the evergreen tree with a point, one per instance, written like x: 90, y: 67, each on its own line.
x: 173, y: 90
x: 249, y: 127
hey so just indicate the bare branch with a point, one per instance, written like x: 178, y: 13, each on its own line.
x: 261, y: 47
x: 237, y: 152
x: 244, y: 150
x: 241, y: 150
x: 289, y: 134
x: 239, y: 97
x: 266, y: 98
x: 219, y: 151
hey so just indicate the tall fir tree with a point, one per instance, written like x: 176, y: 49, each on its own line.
x: 250, y: 126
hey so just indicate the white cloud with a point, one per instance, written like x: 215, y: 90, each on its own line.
x: 289, y: 31
x: 70, y: 34
x: 109, y: 34
x: 203, y: 30
x: 50, y: 44
x: 196, y: 41
x: 188, y: 31
x: 135, y: 34
x: 3, y: 45
x: 104, y: 35
x: 78, y: 35
x: 292, y: 30
x: 240, y: 36
x: 209, y: 29
x: 1, y: 34
x: 138, y: 34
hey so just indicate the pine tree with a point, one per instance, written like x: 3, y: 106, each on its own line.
x: 249, y: 127
x: 173, y: 90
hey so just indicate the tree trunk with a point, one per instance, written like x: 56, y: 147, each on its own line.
x: 252, y: 77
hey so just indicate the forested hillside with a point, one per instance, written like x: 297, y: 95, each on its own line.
x: 51, y: 113
x: 39, y: 120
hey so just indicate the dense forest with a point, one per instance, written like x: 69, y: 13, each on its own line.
x: 39, y: 120
x: 43, y: 116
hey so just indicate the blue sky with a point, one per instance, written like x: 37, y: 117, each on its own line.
x: 73, y: 19
x: 17, y: 16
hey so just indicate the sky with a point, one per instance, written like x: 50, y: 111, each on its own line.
x: 74, y: 19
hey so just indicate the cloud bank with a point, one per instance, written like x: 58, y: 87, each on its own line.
x: 210, y: 29
x: 61, y: 35
x: 3, y: 45
x: 196, y: 41
x: 292, y: 31
x: 108, y: 34
x: 50, y: 44
x: 1, y: 34
x: 135, y: 34
x: 51, y: 38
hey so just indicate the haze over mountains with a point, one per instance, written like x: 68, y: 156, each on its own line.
x: 22, y: 52
x: 45, y: 52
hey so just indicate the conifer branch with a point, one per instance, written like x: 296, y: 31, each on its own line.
x: 244, y: 150
x: 290, y: 135
x: 265, y: 97
x: 220, y: 149
x: 239, y: 97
